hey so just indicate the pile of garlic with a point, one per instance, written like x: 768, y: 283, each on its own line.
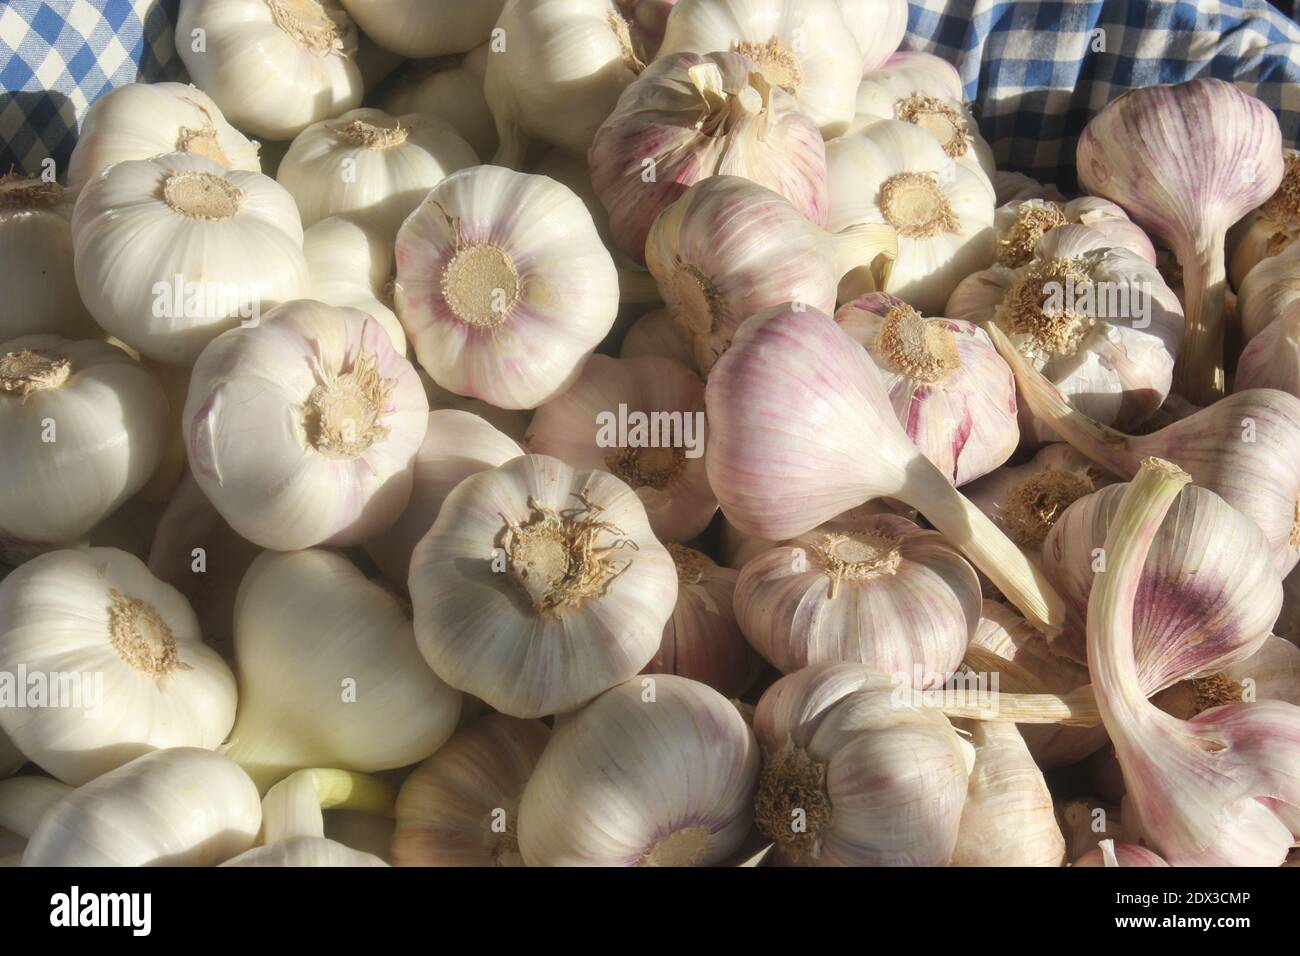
x: 642, y: 433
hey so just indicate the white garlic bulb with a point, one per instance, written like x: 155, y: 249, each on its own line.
x: 303, y: 430
x: 1011, y: 187
x: 38, y: 285
x: 172, y: 251
x: 143, y: 120
x: 371, y: 165
x: 1020, y: 223
x: 504, y: 286
x: 539, y: 586
x: 418, y: 28
x: 1269, y: 230
x: 304, y: 851
x: 450, y: 87
x: 274, y: 67
x: 802, y: 46
x: 82, y: 425
x: 1095, y: 319
x: 878, y: 26
x: 329, y: 674
x: 927, y: 71
x: 350, y: 265
x: 658, y: 771
x: 175, y: 807
x: 953, y: 394
x: 457, y: 444
x: 895, y: 173
x: 655, y: 333
x: 23, y: 802
x: 461, y: 806
x: 126, y: 668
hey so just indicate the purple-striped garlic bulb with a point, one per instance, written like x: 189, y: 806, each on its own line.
x: 1271, y: 673
x: 1020, y: 223
x: 1268, y: 291
x: 1270, y: 229
x: 1272, y: 358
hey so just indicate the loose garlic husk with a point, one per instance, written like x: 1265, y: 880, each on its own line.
x: 555, y: 73
x: 1096, y: 320
x: 894, y: 173
x: 172, y: 251
x: 539, y: 587
x: 1008, y: 819
x: 802, y: 46
x: 1111, y: 853
x: 175, y: 807
x: 82, y: 425
x: 303, y: 430
x: 143, y: 120
x: 888, y: 594
x: 1271, y: 673
x: 418, y: 28
x: 121, y: 661
x: 38, y: 285
x: 641, y: 420
x: 274, y: 67
x: 953, y: 394
x: 329, y: 673
x: 371, y: 165
x: 450, y: 87
x: 851, y: 779
x: 655, y: 333
x: 658, y: 771
x: 456, y: 444
x: 23, y: 802
x: 349, y: 265
x: 504, y: 286
x: 1268, y: 291
x: 461, y: 806
x: 1269, y: 230
x: 690, y: 116
x: 729, y: 248
x: 1019, y: 225
x: 878, y: 26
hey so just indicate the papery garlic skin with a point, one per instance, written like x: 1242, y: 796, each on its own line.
x: 304, y: 851
x: 456, y: 445
x: 450, y: 87
x: 461, y: 806
x: 655, y: 333
x: 878, y: 26
x: 274, y: 67
x: 1269, y: 230
x: 350, y: 265
x: 303, y: 430
x: 1019, y: 225
x: 372, y: 165
x: 172, y: 251
x: 82, y: 425
x: 953, y: 394
x: 658, y: 771
x: 1096, y: 320
x: 417, y: 28
x: 888, y: 595
x: 896, y: 174
x: 504, y: 286
x: 176, y: 807
x: 143, y: 120
x: 127, y: 648
x: 538, y: 586
x: 641, y: 420
x: 38, y: 285
x: 659, y: 141
x: 1268, y: 291
x: 803, y: 46
x: 329, y: 674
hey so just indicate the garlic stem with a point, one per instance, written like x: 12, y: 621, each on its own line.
x: 1076, y: 709
x: 292, y: 808
x: 1199, y: 371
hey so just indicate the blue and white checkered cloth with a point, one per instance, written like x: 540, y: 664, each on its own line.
x: 1036, y: 72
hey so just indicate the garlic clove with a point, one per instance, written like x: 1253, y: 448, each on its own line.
x: 450, y: 87
x: 294, y: 807
x: 1270, y: 229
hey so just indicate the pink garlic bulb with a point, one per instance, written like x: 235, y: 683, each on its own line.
x: 1271, y: 229
x: 1019, y: 225
x: 655, y: 333
x: 1272, y: 358
x: 1268, y: 291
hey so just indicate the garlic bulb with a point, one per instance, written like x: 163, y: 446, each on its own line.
x: 1008, y: 819
x: 539, y: 586
x: 649, y: 20
x: 175, y: 807
x: 418, y: 28
x: 894, y: 173
x: 1271, y: 673
x: 702, y: 640
x: 1019, y: 225
x: 1012, y: 187
x: 1268, y: 291
x: 450, y: 87
x: 122, y: 667
x: 1270, y: 229
x: 456, y: 445
x: 349, y: 265
x: 371, y: 165
x: 1214, y: 153
x: 1096, y: 320
x: 1110, y: 853
x: 329, y: 674
x: 503, y: 285
x: 690, y: 116
x: 878, y: 26
x: 924, y: 69
x: 38, y: 286
x: 803, y: 46
x: 641, y: 420
x: 1220, y: 789
x: 1272, y: 358
x: 11, y: 758
x: 729, y: 248
x: 851, y: 779
x: 23, y: 802
x: 573, y: 173
x: 172, y: 251
x: 303, y: 430
x: 461, y: 806
x: 304, y: 851
x: 655, y: 333
x: 658, y: 771
x: 82, y: 426
x: 951, y: 391
x: 143, y: 120
x: 274, y: 67
x: 556, y: 72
